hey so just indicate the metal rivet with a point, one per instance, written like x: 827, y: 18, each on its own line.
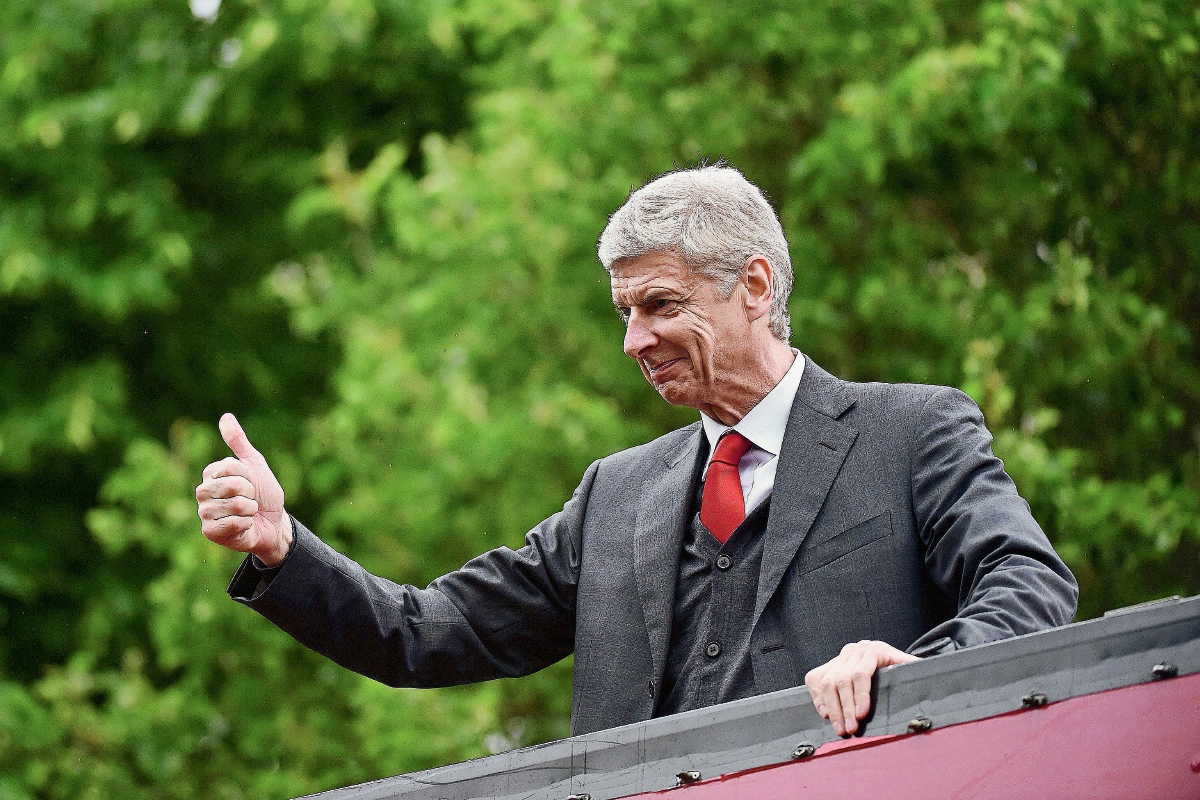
x: 804, y: 750
x: 1035, y: 700
x: 686, y: 777
x: 1164, y: 670
x: 920, y: 724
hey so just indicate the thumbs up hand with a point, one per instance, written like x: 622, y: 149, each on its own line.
x: 241, y: 501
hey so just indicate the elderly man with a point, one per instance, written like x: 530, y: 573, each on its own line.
x: 805, y: 530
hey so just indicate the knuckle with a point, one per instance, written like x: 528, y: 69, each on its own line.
x: 223, y: 530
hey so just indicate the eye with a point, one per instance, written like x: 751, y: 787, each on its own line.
x: 623, y: 312
x: 665, y: 306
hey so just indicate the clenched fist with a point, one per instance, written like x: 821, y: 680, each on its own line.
x: 241, y: 502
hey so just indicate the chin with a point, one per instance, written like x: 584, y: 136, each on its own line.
x: 676, y: 395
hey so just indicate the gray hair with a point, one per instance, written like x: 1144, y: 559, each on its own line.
x: 712, y: 219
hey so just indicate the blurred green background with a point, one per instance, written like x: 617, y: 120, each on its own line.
x: 367, y: 227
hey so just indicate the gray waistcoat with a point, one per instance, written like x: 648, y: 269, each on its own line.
x: 709, y: 660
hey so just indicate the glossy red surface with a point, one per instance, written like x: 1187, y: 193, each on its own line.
x: 1135, y: 743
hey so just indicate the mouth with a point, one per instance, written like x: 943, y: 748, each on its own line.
x: 658, y: 372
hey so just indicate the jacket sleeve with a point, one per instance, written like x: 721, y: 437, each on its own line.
x: 982, y: 546
x: 503, y: 614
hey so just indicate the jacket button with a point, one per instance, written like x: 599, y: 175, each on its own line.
x: 650, y: 686
x: 713, y: 649
x: 723, y: 561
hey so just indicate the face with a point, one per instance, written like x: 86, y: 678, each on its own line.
x: 689, y: 341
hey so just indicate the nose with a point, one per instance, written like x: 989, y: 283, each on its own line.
x: 639, y: 337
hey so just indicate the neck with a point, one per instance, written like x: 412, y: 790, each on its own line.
x: 743, y: 390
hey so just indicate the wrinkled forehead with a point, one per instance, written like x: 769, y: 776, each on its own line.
x: 636, y: 278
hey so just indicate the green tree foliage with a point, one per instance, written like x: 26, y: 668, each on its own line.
x: 368, y: 226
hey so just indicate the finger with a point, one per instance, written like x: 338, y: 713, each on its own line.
x: 827, y: 699
x: 228, y: 507
x: 814, y: 681
x: 819, y: 703
x: 219, y: 488
x: 225, y: 467
x: 862, y: 690
x: 845, y: 710
x: 891, y: 655
x: 231, y: 532
x: 235, y: 437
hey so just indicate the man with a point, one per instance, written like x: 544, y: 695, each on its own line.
x: 805, y: 530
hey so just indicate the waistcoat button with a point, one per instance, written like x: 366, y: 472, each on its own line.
x: 723, y: 561
x: 713, y: 649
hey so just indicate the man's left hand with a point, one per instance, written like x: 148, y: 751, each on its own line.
x: 841, y: 688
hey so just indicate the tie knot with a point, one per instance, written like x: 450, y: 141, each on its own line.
x: 731, y: 448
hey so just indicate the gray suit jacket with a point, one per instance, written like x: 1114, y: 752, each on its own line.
x: 890, y: 519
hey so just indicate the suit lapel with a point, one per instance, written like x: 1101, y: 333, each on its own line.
x: 815, y: 445
x: 661, y: 521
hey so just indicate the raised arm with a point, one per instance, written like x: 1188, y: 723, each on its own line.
x: 504, y: 613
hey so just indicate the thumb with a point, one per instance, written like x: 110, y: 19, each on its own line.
x: 235, y: 437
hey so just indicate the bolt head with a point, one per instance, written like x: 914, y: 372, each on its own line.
x: 920, y: 725
x: 804, y: 750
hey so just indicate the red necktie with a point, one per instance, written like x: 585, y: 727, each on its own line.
x: 723, y: 508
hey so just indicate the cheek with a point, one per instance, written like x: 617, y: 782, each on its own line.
x: 700, y: 339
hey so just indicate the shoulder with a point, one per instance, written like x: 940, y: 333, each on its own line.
x: 917, y: 399
x: 890, y: 405
x: 634, y: 465
x: 667, y: 448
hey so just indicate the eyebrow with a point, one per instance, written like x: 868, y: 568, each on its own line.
x: 649, y: 295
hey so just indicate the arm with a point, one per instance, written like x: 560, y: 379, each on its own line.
x: 504, y: 613
x: 982, y: 548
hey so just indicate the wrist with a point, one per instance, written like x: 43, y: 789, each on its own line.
x: 274, y: 555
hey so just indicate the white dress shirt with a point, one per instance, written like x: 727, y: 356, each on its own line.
x: 764, y: 427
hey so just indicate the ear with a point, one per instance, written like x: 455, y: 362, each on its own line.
x: 756, y: 286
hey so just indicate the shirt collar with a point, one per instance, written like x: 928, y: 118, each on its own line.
x: 765, y: 424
